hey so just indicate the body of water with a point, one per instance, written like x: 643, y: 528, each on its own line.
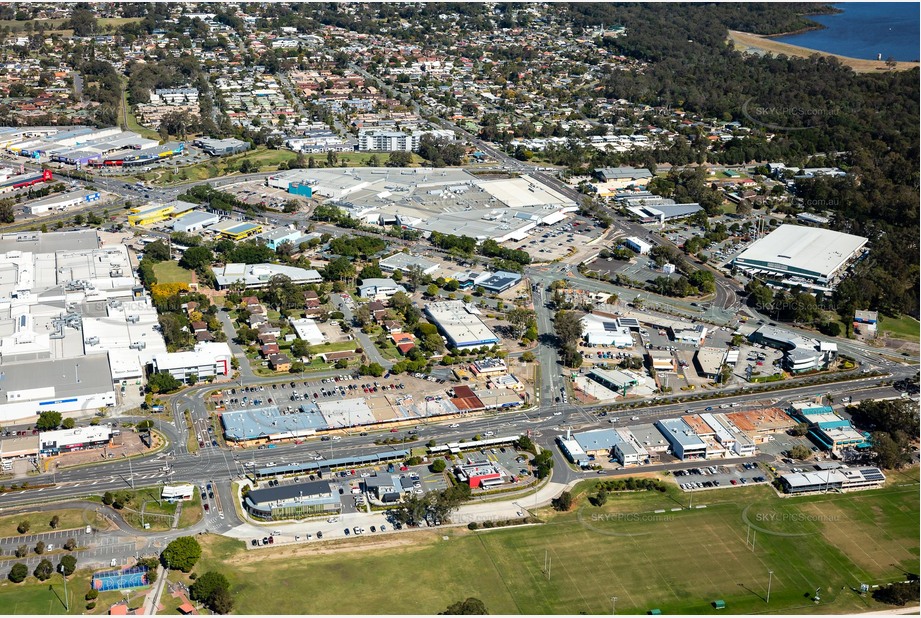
x: 865, y: 29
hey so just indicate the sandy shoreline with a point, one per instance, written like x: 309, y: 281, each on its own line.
x: 747, y: 42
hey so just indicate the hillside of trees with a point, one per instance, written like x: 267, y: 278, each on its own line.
x: 866, y: 124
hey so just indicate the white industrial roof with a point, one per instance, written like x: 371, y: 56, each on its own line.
x: 808, y: 249
x: 204, y: 353
x: 460, y: 323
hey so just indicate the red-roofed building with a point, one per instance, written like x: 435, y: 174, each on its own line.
x: 465, y: 400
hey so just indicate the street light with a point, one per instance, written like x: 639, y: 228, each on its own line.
x: 613, y: 605
x: 64, y: 575
x: 130, y: 470
x: 770, y: 578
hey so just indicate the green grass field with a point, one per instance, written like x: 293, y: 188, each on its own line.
x: 171, y: 272
x: 678, y: 562
x: 340, y: 346
x: 41, y: 521
x: 904, y: 327
x: 35, y: 597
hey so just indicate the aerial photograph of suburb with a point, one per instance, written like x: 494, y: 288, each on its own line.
x: 415, y: 308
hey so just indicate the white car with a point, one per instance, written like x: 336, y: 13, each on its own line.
x: 557, y: 414
x: 454, y: 426
x: 335, y: 438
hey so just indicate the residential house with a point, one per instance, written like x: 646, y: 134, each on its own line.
x: 392, y: 326
x: 404, y: 342
x: 280, y: 362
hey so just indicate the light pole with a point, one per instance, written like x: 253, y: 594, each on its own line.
x: 613, y: 605
x: 64, y: 575
x: 130, y: 470
x: 770, y: 579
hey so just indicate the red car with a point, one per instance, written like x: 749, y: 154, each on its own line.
x: 394, y: 430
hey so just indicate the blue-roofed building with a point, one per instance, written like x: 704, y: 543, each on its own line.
x: 683, y: 439
x: 279, y: 236
x: 598, y: 443
x: 271, y: 423
x: 827, y: 429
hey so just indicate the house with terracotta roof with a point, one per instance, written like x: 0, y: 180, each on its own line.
x: 404, y: 342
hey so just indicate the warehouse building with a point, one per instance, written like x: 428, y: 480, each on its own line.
x: 404, y: 261
x: 573, y: 451
x: 61, y: 201
x: 387, y: 487
x: 255, y: 276
x: 709, y: 361
x: 640, y: 246
x: 664, y: 212
x: 294, y: 501
x: 279, y: 236
x: 445, y: 200
x: 500, y: 281
x: 221, y: 147
x: 800, y: 353
x: 76, y: 439
x: 604, y: 331
x: 207, y: 360
x: 17, y: 447
x: 148, y: 215
x: 619, y: 444
x: 460, y: 324
x: 695, y: 335
x: 236, y: 230
x: 661, y: 360
x: 68, y: 385
x: 684, y: 441
x: 194, y: 221
x: 307, y: 330
x: 792, y: 255
x: 622, y: 177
